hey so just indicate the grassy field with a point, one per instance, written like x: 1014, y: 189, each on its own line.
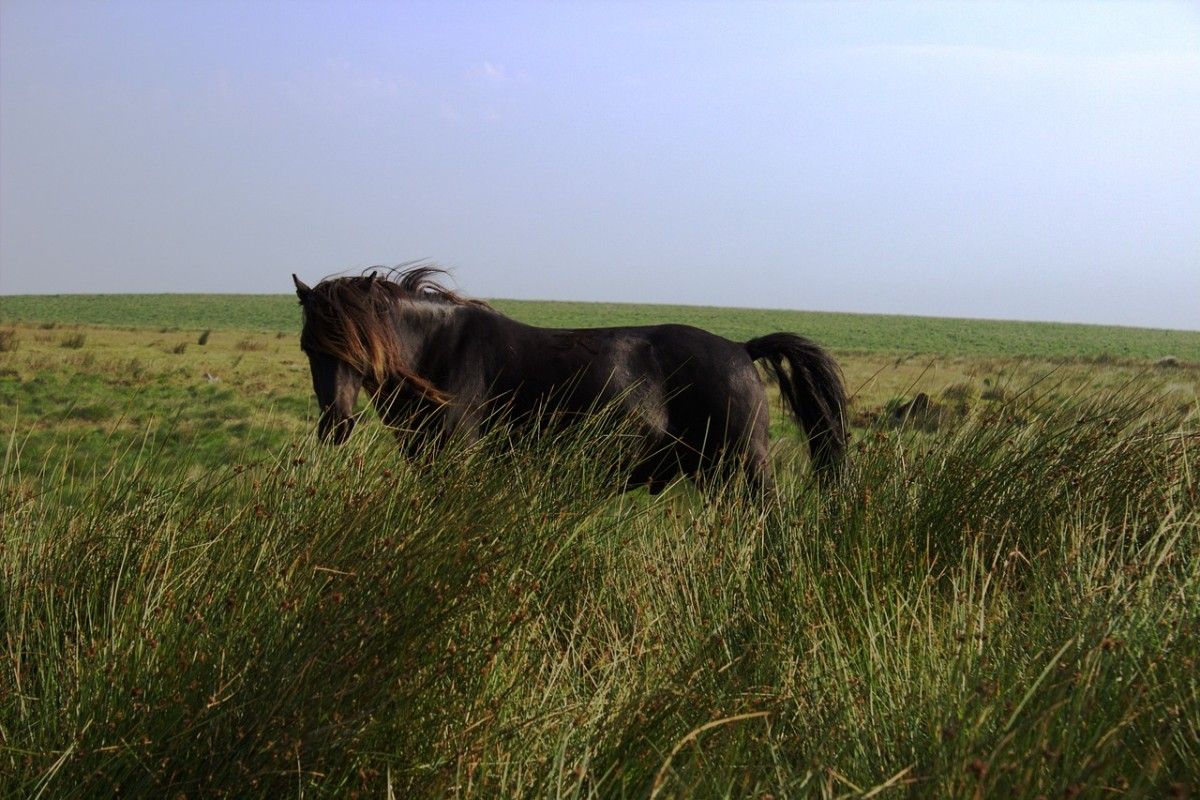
x: 1000, y: 599
x: 844, y: 332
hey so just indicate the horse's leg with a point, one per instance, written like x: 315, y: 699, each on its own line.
x: 654, y: 471
x: 462, y: 423
x: 413, y: 425
x: 759, y: 476
x: 740, y: 450
x: 662, y: 477
x: 417, y: 444
x: 753, y: 441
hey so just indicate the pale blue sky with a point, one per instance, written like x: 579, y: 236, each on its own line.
x: 1029, y: 161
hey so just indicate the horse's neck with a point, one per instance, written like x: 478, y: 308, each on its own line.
x: 421, y: 324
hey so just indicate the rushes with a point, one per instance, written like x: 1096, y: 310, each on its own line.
x: 1009, y: 609
x: 73, y: 341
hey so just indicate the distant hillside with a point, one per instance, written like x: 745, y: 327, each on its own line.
x: 846, y: 332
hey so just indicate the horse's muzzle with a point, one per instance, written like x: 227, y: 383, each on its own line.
x: 334, y: 429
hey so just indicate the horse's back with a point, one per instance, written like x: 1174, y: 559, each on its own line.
x: 697, y: 360
x: 694, y: 370
x: 697, y: 397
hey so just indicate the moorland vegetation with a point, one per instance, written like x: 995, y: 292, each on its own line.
x: 1001, y: 597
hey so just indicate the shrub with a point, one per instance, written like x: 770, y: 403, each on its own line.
x: 73, y: 341
x: 203, y: 340
x: 994, y: 393
x: 179, y: 349
x: 89, y: 412
x: 922, y: 412
x: 959, y: 392
x: 9, y: 341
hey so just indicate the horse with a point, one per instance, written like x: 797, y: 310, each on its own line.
x: 449, y: 366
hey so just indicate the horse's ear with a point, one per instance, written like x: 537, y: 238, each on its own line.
x: 302, y: 290
x: 374, y: 272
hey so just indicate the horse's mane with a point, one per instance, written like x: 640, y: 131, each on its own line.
x: 421, y: 282
x: 354, y: 319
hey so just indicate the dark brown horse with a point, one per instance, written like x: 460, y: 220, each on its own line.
x: 450, y: 366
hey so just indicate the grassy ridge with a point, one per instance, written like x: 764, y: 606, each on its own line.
x: 844, y: 332
x: 495, y: 623
x: 252, y: 312
x: 883, y: 333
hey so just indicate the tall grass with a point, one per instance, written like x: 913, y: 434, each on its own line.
x: 1011, y: 608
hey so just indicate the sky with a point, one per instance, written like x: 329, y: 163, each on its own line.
x: 1034, y: 161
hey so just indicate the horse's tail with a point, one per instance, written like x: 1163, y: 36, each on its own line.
x: 812, y: 386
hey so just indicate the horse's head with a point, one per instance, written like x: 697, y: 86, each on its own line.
x: 356, y: 334
x: 335, y: 381
x: 336, y: 385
